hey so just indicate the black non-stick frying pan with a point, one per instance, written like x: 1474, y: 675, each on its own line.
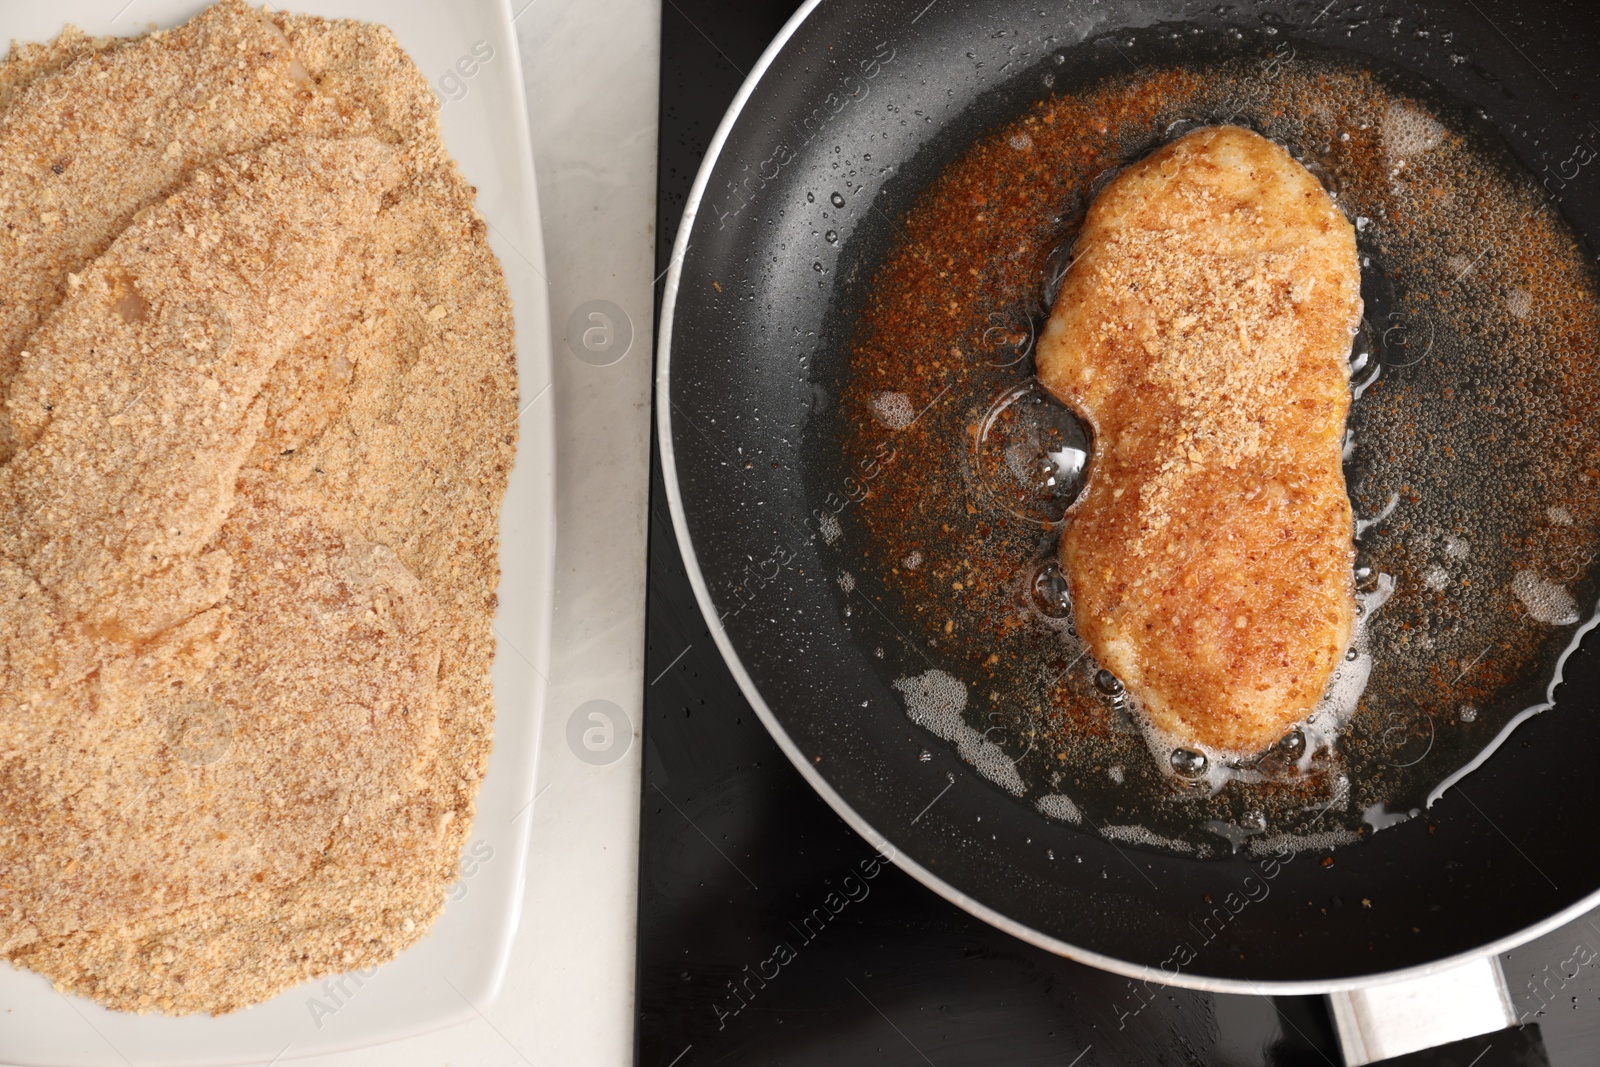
x: 877, y: 98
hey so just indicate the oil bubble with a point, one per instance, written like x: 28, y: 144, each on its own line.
x: 1032, y: 454
x: 1188, y: 763
x: 1050, y: 593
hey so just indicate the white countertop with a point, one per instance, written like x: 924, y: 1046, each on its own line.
x: 591, y: 69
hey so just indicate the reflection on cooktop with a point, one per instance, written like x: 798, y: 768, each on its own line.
x: 770, y: 933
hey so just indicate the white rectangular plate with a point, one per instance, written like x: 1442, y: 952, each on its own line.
x: 468, y: 51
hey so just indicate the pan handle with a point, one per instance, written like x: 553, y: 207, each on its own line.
x: 1396, y: 1018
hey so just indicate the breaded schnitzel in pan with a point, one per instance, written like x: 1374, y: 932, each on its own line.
x: 1204, y: 330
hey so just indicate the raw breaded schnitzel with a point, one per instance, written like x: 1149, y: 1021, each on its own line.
x: 94, y: 130
x: 1204, y: 330
x: 260, y: 416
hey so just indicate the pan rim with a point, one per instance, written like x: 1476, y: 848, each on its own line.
x: 814, y: 778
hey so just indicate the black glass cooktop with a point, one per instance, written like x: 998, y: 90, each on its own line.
x: 754, y: 949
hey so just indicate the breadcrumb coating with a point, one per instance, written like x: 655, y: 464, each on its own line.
x: 1204, y: 329
x: 259, y: 425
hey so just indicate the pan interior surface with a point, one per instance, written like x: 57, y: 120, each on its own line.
x: 804, y: 485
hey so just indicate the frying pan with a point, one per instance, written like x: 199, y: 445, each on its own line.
x: 754, y: 329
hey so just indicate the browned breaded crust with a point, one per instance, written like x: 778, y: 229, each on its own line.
x: 1204, y: 330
